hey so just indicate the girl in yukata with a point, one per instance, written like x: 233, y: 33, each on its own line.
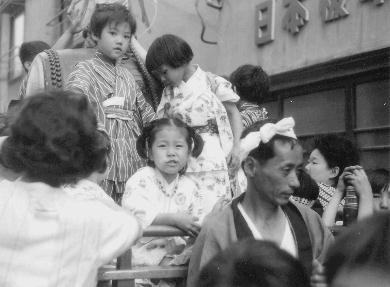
x: 190, y: 94
x: 161, y: 194
x: 120, y: 106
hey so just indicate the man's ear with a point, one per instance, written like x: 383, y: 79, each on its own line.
x: 249, y: 166
x: 334, y: 171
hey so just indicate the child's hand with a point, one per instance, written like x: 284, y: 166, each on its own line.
x: 188, y: 224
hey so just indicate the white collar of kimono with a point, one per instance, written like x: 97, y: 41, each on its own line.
x: 193, y: 82
x: 283, y: 127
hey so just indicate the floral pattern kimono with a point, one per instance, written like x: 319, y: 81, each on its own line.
x: 195, y: 103
x: 148, y: 194
x: 121, y: 111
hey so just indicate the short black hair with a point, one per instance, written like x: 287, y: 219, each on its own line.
x: 265, y: 151
x: 255, y: 263
x: 54, y: 139
x: 111, y: 13
x: 146, y: 139
x: 379, y: 178
x: 168, y: 50
x: 338, y: 152
x: 364, y: 245
x: 28, y: 50
x: 251, y: 83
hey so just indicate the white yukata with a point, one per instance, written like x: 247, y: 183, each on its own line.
x: 148, y: 194
x: 198, y: 102
x: 59, y: 236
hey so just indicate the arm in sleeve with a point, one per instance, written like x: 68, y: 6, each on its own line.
x: 140, y: 200
x: 81, y: 82
x: 145, y: 110
x: 222, y: 89
x: 119, y: 231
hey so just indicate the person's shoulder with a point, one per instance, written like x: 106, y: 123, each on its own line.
x: 144, y: 173
x: 218, y: 218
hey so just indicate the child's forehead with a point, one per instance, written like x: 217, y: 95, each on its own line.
x: 116, y: 25
x: 168, y: 130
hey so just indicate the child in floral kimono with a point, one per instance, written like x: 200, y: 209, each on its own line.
x: 190, y: 95
x: 119, y: 105
x: 161, y: 194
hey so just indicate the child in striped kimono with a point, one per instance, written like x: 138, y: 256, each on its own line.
x: 120, y: 107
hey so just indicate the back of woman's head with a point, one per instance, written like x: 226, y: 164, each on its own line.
x: 54, y: 139
x: 253, y: 263
x: 251, y: 83
x: 364, y: 246
x: 337, y: 151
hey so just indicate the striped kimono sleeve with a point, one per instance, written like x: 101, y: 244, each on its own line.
x: 144, y: 109
x: 82, y: 80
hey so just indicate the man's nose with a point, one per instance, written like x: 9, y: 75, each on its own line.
x: 293, y: 180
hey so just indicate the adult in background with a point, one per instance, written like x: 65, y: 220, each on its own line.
x: 264, y: 211
x: 251, y: 83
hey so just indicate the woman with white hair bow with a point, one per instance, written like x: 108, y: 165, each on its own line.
x: 271, y: 155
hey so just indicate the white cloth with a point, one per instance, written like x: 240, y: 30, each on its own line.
x: 288, y: 243
x: 51, y: 238
x: 265, y: 134
x: 144, y: 199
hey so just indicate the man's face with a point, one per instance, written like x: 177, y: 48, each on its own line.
x: 275, y: 179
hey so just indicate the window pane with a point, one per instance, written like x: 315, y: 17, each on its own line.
x: 372, y: 104
x: 321, y: 112
x: 272, y: 109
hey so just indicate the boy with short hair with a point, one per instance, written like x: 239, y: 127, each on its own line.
x: 120, y: 107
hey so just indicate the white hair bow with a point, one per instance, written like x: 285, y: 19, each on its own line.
x: 283, y: 127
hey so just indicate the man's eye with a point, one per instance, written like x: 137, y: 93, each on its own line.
x: 127, y: 37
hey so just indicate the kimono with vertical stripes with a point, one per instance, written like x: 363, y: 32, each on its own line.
x: 120, y: 108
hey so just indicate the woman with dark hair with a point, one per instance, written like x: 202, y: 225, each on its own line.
x: 50, y: 236
x: 253, y: 263
x: 251, y: 83
x: 333, y: 164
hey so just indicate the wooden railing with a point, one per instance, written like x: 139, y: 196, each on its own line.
x: 124, y: 274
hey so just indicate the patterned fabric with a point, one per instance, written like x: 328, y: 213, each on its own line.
x: 251, y: 113
x: 325, y: 194
x: 303, y: 200
x: 120, y: 108
x: 52, y: 237
x: 145, y: 199
x: 195, y: 103
x: 147, y: 194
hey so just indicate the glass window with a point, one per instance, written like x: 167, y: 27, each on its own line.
x: 321, y: 112
x: 373, y: 104
x: 272, y: 109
